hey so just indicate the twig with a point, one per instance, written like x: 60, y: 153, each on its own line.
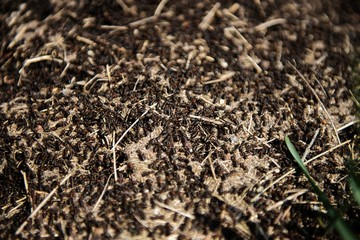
x: 140, y: 221
x: 209, y: 17
x: 293, y: 170
x: 160, y: 7
x: 41, y: 58
x: 13, y: 211
x: 270, y: 23
x: 208, y: 158
x: 142, y: 21
x: 137, y: 23
x: 234, y: 34
x: 253, y: 63
x: 30, y: 61
x: 114, y: 156
x: 320, y: 102
x: 108, y: 72
x: 27, y: 190
x: 185, y: 214
x: 230, y: 15
x: 42, y: 204
x: 86, y: 40
x: 114, y: 27
x: 278, y: 63
x: 241, y: 37
x: 222, y: 78
x: 190, y: 56
x: 347, y: 125
x: 205, y: 119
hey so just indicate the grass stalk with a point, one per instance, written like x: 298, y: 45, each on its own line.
x: 335, y: 217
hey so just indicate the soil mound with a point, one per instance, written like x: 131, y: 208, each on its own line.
x: 189, y: 101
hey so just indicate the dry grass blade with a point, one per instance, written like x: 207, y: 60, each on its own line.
x: 205, y: 119
x: 131, y: 126
x: 307, y: 150
x: 348, y: 125
x: 113, y: 149
x: 102, y: 194
x: 289, y: 198
x: 319, y: 100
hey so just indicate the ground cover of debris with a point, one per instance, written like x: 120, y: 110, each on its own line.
x: 166, y: 119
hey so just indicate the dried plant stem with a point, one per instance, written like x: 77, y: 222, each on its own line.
x: 205, y: 119
x: 102, y: 194
x: 319, y: 100
x: 209, y: 17
x: 113, y: 149
x: 347, y: 125
x: 27, y: 190
x: 188, y: 215
x: 114, y: 156
x: 160, y: 7
x: 131, y: 126
x: 222, y: 78
x: 270, y: 23
x: 289, y: 198
x: 253, y: 63
x: 307, y: 150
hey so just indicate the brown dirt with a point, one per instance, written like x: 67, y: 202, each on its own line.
x: 207, y: 101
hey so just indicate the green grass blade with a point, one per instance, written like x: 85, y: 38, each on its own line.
x: 354, y: 185
x: 317, y: 190
x: 295, y: 154
x: 334, y: 215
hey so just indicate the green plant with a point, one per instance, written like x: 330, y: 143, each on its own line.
x: 354, y: 180
x: 334, y: 215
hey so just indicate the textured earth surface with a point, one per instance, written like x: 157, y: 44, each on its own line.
x: 190, y: 102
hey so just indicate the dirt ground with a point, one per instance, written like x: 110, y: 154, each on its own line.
x: 190, y: 102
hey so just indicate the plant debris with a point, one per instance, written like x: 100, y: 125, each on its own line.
x: 166, y: 119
